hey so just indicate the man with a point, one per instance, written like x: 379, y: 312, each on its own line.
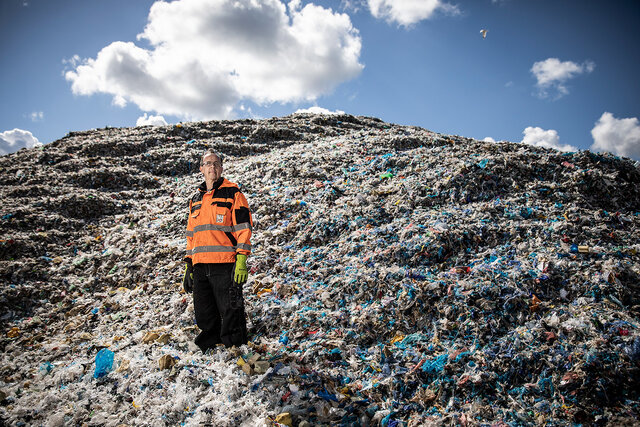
x: 218, y: 243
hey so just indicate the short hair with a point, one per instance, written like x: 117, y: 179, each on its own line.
x: 208, y: 152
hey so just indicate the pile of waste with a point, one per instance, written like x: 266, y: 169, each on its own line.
x: 399, y: 277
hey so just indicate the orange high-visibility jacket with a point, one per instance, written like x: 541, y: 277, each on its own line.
x: 219, y: 224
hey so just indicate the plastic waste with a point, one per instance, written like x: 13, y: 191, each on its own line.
x: 397, y: 275
x: 104, y: 363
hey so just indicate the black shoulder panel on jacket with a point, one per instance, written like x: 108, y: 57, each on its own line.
x: 225, y: 193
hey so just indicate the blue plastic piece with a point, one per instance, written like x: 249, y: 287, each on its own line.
x: 104, y: 363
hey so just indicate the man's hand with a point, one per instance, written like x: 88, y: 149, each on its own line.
x: 187, y: 280
x: 241, y: 274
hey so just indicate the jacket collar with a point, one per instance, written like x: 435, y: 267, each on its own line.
x: 218, y: 183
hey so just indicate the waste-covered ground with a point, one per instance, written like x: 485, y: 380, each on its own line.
x: 399, y: 277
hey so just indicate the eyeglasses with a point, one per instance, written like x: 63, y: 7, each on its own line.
x: 216, y: 164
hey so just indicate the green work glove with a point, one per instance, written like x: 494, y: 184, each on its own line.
x: 187, y: 280
x: 241, y: 274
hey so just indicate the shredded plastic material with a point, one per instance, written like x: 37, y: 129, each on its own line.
x: 399, y: 277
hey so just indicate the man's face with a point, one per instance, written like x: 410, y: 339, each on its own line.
x: 211, y: 168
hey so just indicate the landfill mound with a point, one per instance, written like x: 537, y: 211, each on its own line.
x: 398, y: 277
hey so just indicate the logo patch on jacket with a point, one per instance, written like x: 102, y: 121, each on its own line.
x: 219, y: 218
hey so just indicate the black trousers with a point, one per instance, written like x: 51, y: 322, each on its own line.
x: 219, y: 306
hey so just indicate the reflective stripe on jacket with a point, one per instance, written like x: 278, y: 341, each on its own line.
x: 219, y: 224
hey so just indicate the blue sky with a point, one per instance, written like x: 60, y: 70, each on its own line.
x: 555, y: 73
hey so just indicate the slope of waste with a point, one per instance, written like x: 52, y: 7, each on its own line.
x: 399, y: 277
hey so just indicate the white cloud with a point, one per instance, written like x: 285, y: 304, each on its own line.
x: 352, y: 6
x: 619, y: 136
x: 489, y: 139
x: 151, y: 121
x: 409, y: 12
x: 539, y: 137
x: 13, y: 140
x: 119, y: 101
x: 552, y: 75
x: 248, y: 112
x: 72, y: 62
x: 36, y: 116
x: 318, y: 110
x: 207, y: 56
